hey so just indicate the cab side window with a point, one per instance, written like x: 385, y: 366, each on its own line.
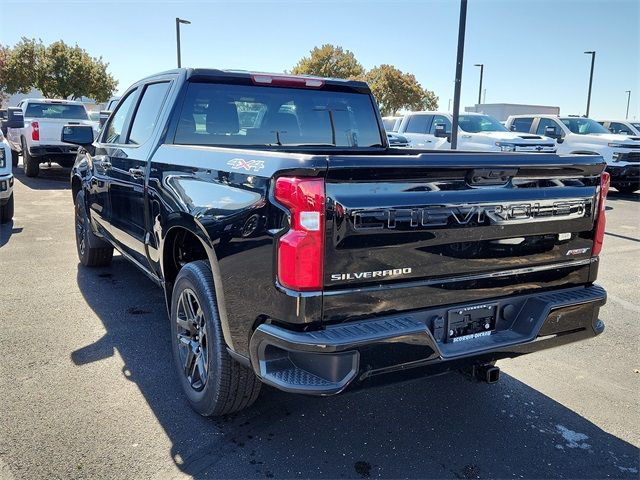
x: 522, y: 125
x: 547, y: 122
x: 113, y: 133
x: 440, y: 120
x: 418, y: 123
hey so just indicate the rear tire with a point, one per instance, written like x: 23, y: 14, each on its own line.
x: 214, y: 383
x: 14, y: 158
x: 6, y: 211
x: 92, y: 250
x: 30, y: 164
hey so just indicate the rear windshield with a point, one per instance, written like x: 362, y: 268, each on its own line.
x: 480, y: 123
x: 219, y: 114
x: 56, y: 110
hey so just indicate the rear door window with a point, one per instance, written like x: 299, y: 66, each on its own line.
x: 147, y: 113
x: 621, y: 128
x: 418, y: 123
x: 113, y: 133
x: 522, y: 125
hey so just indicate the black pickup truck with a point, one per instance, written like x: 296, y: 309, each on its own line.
x: 296, y: 248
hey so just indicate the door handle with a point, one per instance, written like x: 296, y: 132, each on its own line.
x: 136, y: 172
x: 102, y: 161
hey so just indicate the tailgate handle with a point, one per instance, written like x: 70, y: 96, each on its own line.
x: 491, y: 176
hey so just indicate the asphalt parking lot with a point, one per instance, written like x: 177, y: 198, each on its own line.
x: 88, y: 390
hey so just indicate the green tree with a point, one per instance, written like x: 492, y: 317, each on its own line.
x: 394, y: 90
x: 57, y: 70
x: 330, y: 61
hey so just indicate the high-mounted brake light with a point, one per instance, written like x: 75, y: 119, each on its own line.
x: 286, y: 81
x: 301, y: 250
x: 598, y: 236
x: 35, y: 131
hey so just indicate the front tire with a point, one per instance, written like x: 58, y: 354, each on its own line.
x: 30, y: 164
x: 14, y: 158
x: 214, y: 383
x: 92, y: 250
x: 6, y: 211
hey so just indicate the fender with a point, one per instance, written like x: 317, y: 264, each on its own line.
x: 193, y: 226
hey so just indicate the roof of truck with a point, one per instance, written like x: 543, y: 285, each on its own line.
x: 212, y: 73
x: 52, y: 100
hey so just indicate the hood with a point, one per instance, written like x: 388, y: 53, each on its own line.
x: 605, y: 138
x: 514, y: 137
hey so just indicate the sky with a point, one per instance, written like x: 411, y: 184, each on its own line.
x: 532, y: 49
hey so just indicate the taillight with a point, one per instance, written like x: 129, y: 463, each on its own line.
x: 301, y: 250
x: 598, y: 236
x: 35, y: 131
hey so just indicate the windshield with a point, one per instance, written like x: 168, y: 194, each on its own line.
x: 480, y: 123
x: 56, y: 110
x: 219, y: 114
x: 583, y: 126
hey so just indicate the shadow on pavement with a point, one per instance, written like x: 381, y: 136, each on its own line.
x: 614, y: 195
x: 50, y: 178
x: 443, y: 427
x: 6, y: 230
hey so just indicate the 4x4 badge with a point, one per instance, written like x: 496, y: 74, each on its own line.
x: 249, y: 165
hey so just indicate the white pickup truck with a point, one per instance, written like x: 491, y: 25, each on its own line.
x: 39, y: 140
x: 6, y: 181
x: 586, y: 136
x: 622, y: 127
x: 477, y: 132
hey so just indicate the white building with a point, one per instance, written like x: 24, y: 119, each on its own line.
x: 501, y: 111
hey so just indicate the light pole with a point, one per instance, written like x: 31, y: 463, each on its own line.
x: 481, y: 65
x: 628, y: 92
x: 178, y: 22
x: 593, y: 60
x: 462, y: 25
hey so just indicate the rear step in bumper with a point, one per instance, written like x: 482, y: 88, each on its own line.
x: 325, y: 362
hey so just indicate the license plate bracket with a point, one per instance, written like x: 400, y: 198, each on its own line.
x: 467, y: 323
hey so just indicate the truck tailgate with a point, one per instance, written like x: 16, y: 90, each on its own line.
x: 440, y: 228
x: 51, y: 128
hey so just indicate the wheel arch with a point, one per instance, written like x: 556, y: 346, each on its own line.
x: 187, y: 231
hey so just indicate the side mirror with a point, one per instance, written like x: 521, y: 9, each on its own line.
x: 441, y: 131
x: 104, y: 116
x: 552, y: 132
x: 77, y: 134
x: 15, y: 119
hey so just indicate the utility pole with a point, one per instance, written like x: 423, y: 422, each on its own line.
x: 593, y: 60
x: 178, y: 22
x: 481, y: 65
x: 458, y: 81
x: 628, y: 92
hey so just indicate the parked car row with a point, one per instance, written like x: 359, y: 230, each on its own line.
x: 618, y: 142
x: 582, y: 135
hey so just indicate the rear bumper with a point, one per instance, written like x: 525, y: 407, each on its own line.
x: 6, y: 188
x: 326, y: 362
x: 61, y: 151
